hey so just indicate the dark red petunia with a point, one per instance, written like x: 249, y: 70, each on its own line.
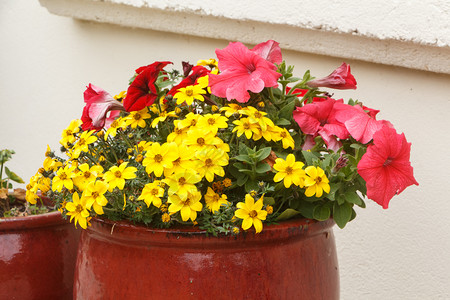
x: 142, y: 91
x: 191, y: 79
x: 386, y: 167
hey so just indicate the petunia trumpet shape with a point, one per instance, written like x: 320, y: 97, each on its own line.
x: 341, y: 79
x: 386, y: 167
x: 242, y: 70
x: 98, y: 104
x: 142, y: 91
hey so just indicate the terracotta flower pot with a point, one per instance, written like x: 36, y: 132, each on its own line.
x: 37, y: 257
x: 294, y: 260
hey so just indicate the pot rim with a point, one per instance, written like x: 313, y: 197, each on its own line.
x: 31, y: 221
x: 126, y: 233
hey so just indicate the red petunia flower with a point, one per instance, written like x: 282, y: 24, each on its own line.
x: 320, y: 118
x: 386, y: 167
x: 191, y: 79
x: 142, y: 91
x: 242, y: 70
x: 341, y: 79
x: 98, y: 104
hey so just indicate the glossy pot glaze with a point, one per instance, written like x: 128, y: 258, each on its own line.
x: 293, y: 260
x: 37, y: 257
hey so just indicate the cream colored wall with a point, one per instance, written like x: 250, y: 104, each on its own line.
x: 400, y: 253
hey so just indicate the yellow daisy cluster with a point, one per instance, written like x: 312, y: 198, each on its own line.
x: 254, y: 124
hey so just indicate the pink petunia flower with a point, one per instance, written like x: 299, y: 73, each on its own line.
x: 242, y: 70
x: 320, y: 118
x: 341, y: 79
x: 270, y: 51
x: 98, y: 104
x: 386, y: 167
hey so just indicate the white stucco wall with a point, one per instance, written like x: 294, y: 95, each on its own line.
x: 400, y: 253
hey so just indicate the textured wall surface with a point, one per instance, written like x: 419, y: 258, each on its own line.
x: 412, y: 34
x: 399, y: 253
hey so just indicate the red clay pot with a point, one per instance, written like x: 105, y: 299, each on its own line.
x: 294, y: 260
x: 37, y: 257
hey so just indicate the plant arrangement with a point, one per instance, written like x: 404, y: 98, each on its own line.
x: 225, y: 145
x: 12, y: 201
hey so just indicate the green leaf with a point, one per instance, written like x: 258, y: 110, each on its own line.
x: 247, y: 172
x: 342, y: 214
x: 262, y: 168
x: 263, y: 153
x: 287, y: 214
x: 307, y: 209
x: 13, y: 176
x: 245, y: 158
x: 321, y: 212
x: 241, y: 180
x: 286, y: 111
x: 282, y: 122
x: 310, y: 157
x: 268, y: 200
x: 251, y: 185
x: 352, y: 197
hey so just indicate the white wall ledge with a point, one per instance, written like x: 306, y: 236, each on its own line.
x: 414, y: 34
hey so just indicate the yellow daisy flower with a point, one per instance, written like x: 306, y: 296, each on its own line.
x: 316, y: 182
x: 182, y: 183
x: 115, y: 177
x: 77, y: 210
x: 95, y: 196
x: 243, y: 126
x: 152, y: 193
x: 63, y: 178
x: 189, y: 94
x: 137, y: 118
x: 251, y: 212
x: 211, y: 162
x: 86, y: 138
x: 289, y: 170
x: 187, y: 206
x: 214, y: 201
x: 213, y: 122
x: 159, y: 157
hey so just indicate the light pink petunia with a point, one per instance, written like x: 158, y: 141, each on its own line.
x: 270, y: 51
x: 98, y: 104
x: 242, y: 70
x: 341, y: 79
x: 386, y: 167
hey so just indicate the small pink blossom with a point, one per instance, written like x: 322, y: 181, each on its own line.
x: 386, y: 167
x: 98, y: 104
x: 242, y: 70
x: 341, y: 79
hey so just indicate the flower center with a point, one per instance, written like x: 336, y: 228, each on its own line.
x: 95, y: 194
x: 318, y: 180
x: 181, y: 181
x: 387, y: 162
x: 251, y: 69
x: 158, y: 158
x: 208, y: 162
x: 63, y: 176
x: 69, y: 132
x: 189, y: 92
x: 118, y: 174
x: 87, y: 174
x: 154, y: 192
x: 211, y: 121
x: 201, y: 141
x: 252, y: 213
x: 137, y: 116
x: 258, y: 115
x: 193, y: 122
x: 82, y: 142
x: 246, y: 125
x: 289, y: 170
x: 79, y: 208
